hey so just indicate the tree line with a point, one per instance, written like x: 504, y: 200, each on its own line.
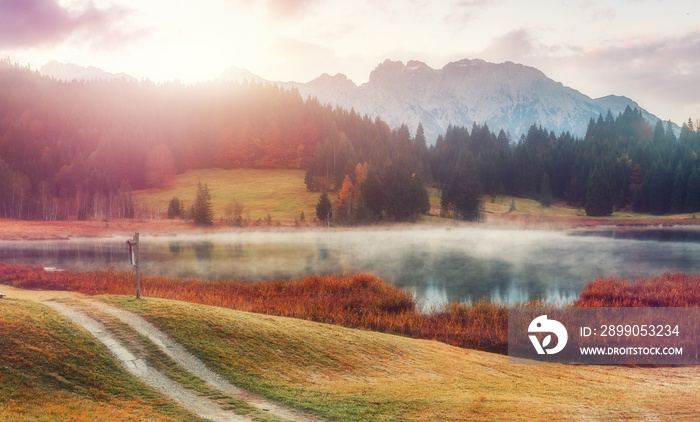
x: 71, y: 150
x: 78, y: 149
x: 623, y: 163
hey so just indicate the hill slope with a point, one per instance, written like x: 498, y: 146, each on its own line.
x: 52, y: 370
x: 345, y: 374
x: 355, y: 375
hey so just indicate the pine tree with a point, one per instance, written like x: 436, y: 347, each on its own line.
x: 324, y: 208
x: 462, y: 195
x: 174, y: 208
x: 202, y: 212
x: 373, y: 194
x: 658, y: 184
x: 598, y: 198
x: 692, y: 199
x: 679, y: 190
x: 545, y: 192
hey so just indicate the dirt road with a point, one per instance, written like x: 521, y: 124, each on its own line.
x: 202, y: 406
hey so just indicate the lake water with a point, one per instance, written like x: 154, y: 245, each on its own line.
x: 437, y: 264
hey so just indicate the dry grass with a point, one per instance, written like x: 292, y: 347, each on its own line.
x: 358, y: 301
x: 355, y: 375
x: 667, y: 290
x: 523, y: 206
x: 280, y: 193
x: 358, y: 375
x: 59, y: 230
x: 52, y: 371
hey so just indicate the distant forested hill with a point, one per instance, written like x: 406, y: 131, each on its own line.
x: 77, y: 150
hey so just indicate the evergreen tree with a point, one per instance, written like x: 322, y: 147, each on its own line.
x: 372, y: 194
x: 599, y: 200
x: 174, y: 208
x: 405, y: 197
x: 202, y: 212
x: 658, y: 183
x: 420, y: 138
x: 692, y: 199
x: 462, y: 195
x: 324, y: 208
x: 679, y: 190
x: 545, y: 192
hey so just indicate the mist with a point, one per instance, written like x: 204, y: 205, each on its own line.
x: 438, y: 265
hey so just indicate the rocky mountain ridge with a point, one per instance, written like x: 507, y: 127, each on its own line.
x: 505, y: 96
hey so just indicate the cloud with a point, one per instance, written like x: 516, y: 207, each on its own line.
x: 464, y: 11
x: 661, y: 73
x: 513, y: 46
x: 285, y: 9
x: 28, y: 23
x: 661, y: 70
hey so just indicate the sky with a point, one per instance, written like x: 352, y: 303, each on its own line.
x: 648, y: 50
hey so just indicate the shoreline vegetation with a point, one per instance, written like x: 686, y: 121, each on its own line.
x: 11, y: 229
x: 252, y: 200
x: 362, y: 301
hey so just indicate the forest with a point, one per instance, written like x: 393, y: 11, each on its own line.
x: 77, y: 150
x: 623, y: 163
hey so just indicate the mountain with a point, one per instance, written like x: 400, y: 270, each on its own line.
x: 506, y: 96
x: 70, y: 71
x: 616, y: 104
x: 237, y: 74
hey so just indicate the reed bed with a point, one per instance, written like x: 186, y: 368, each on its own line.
x: 670, y: 289
x: 358, y: 301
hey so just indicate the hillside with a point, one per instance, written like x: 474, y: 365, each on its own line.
x: 356, y: 375
x: 51, y: 370
x: 279, y: 193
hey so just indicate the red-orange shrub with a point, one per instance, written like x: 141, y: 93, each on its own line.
x: 667, y: 290
x: 358, y: 301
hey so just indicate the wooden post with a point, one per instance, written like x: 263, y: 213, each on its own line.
x: 135, y: 258
x: 136, y: 264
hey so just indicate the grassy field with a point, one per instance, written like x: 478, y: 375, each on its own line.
x: 51, y: 370
x: 356, y: 375
x: 280, y: 193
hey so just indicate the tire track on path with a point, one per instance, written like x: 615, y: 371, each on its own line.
x: 187, y: 360
x: 201, y: 406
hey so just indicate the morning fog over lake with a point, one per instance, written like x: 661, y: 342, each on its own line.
x: 437, y: 264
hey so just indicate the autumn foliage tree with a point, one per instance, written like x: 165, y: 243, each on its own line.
x: 346, y: 197
x: 160, y: 167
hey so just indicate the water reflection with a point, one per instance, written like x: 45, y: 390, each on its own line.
x: 175, y: 248
x: 439, y: 265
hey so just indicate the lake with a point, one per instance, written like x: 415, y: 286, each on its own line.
x: 437, y: 264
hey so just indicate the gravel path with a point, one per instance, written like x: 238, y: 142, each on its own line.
x: 201, y: 406
x: 190, y: 362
